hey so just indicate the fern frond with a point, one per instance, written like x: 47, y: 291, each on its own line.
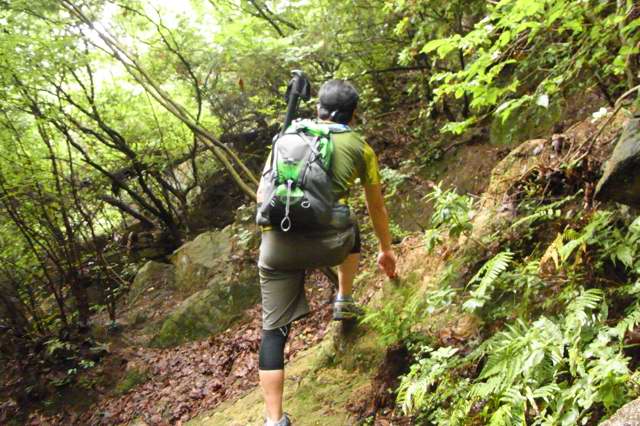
x: 511, y: 413
x: 547, y: 392
x: 629, y: 322
x: 483, y: 390
x: 502, y: 416
x: 487, y: 276
x: 548, y: 211
x: 587, y: 299
x: 586, y: 236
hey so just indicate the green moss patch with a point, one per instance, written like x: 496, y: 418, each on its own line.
x: 320, y: 383
x: 207, y: 312
x: 131, y: 379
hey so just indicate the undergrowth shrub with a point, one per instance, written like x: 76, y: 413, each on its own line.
x: 394, y: 321
x: 452, y: 213
x: 559, y: 355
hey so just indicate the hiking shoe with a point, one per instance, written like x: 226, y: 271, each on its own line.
x: 285, y: 421
x: 346, y: 309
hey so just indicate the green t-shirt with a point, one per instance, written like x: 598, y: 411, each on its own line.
x: 352, y: 158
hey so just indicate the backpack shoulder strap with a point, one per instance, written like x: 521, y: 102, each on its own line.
x: 338, y: 128
x: 316, y: 128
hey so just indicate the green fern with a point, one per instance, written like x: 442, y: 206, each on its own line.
x: 564, y: 366
x: 628, y: 323
x: 546, y: 212
x: 590, y: 234
x: 452, y: 215
x: 486, y: 278
x: 414, y: 388
x: 394, y: 320
x: 502, y: 417
x: 586, y: 300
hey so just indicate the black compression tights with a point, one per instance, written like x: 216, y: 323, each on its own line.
x: 272, y: 348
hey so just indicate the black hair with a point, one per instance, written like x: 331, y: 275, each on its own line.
x: 337, y: 100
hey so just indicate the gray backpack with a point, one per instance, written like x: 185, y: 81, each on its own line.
x: 297, y: 181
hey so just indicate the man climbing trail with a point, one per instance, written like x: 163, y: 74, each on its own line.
x: 288, y: 248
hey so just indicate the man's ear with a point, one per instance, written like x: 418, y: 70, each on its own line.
x: 353, y: 118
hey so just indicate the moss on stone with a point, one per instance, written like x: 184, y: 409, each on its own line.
x: 152, y: 275
x: 208, y: 311
x: 131, y: 379
x: 203, y: 259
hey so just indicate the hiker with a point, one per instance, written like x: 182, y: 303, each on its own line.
x: 285, y: 253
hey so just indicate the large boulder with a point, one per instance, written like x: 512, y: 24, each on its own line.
x: 629, y: 415
x: 205, y: 258
x: 211, y: 310
x: 152, y: 276
x: 150, y: 295
x: 210, y: 282
x: 621, y: 176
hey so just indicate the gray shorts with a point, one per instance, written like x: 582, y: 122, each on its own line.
x: 284, y: 257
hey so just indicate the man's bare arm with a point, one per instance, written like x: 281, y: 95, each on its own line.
x: 380, y: 221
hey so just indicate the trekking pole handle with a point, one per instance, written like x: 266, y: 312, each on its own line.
x: 300, y: 85
x: 298, y: 88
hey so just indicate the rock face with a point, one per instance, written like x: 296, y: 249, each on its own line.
x: 208, y: 285
x: 205, y: 258
x: 218, y: 283
x: 621, y: 179
x: 153, y: 275
x: 629, y: 415
x: 211, y: 310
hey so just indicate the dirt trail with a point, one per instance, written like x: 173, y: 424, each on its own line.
x: 337, y: 381
x: 334, y: 378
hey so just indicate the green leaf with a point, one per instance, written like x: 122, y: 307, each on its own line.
x: 504, y: 39
x: 625, y: 254
x: 458, y: 127
x: 443, y: 46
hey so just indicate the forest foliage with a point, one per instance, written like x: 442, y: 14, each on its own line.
x: 114, y: 113
x: 557, y: 348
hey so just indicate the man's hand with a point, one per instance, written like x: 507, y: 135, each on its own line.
x: 387, y: 262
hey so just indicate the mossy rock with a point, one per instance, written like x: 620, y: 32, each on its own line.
x: 204, y: 258
x: 627, y: 415
x: 525, y: 124
x: 153, y: 275
x: 209, y: 311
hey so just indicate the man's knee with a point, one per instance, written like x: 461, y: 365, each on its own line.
x: 272, y: 348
